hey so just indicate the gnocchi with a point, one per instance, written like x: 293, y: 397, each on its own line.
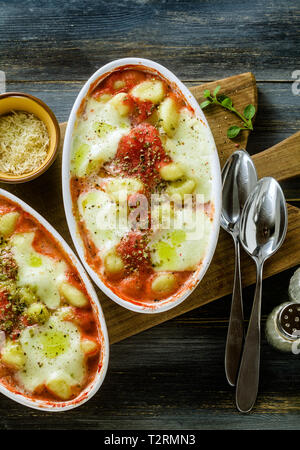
x: 89, y: 347
x: 104, y: 98
x: 171, y: 172
x: 181, y: 187
x: 8, y: 223
x: 163, y: 283
x: 168, y: 115
x: 113, y: 263
x: 59, y: 386
x: 42, y: 322
x: 118, y: 101
x: 120, y: 188
x: 38, y: 313
x: 149, y: 90
x: 119, y: 84
x: 72, y: 295
x: 27, y: 295
x: 12, y: 355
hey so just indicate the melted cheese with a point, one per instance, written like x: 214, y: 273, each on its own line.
x: 191, y: 147
x: 183, y: 245
x: 50, y: 349
x: 42, y: 273
x: 97, y: 136
x: 100, y: 214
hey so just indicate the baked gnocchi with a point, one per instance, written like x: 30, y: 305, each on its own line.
x: 51, y: 343
x: 136, y: 138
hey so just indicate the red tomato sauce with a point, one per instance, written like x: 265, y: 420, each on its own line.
x: 130, y: 78
x: 141, y: 154
x: 84, y: 318
x: 134, y: 253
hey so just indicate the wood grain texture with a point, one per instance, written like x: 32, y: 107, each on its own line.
x: 196, y: 39
x: 281, y: 161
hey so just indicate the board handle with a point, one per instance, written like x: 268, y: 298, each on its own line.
x: 282, y: 161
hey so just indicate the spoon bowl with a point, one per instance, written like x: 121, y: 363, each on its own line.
x: 263, y: 222
x: 238, y: 179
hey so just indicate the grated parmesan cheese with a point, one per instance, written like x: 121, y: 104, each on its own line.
x: 24, y: 142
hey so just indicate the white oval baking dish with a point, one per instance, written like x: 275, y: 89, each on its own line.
x: 174, y: 300
x: 93, y: 387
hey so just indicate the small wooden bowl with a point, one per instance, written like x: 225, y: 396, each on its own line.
x: 18, y: 101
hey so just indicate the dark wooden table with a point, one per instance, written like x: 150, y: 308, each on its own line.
x: 172, y: 376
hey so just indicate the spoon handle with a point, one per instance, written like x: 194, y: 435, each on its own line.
x: 247, y: 383
x: 235, y: 334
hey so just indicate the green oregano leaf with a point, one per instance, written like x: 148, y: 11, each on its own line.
x: 222, y: 97
x: 249, y: 112
x: 204, y: 104
x: 227, y: 102
x: 233, y: 131
x: 217, y: 90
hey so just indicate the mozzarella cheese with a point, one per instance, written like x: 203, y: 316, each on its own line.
x: 42, y: 273
x: 101, y: 216
x: 191, y: 147
x: 97, y: 136
x: 183, y: 245
x: 52, y: 348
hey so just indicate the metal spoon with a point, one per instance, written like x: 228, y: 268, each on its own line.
x: 262, y: 230
x: 239, y: 178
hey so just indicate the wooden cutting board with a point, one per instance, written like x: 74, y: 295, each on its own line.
x: 281, y: 161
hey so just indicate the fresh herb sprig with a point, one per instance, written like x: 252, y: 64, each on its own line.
x: 226, y: 102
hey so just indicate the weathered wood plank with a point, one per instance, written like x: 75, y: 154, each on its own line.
x: 66, y: 41
x: 281, y: 161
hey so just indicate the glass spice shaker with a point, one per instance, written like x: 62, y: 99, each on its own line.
x: 283, y: 324
x: 294, y: 287
x: 283, y: 327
